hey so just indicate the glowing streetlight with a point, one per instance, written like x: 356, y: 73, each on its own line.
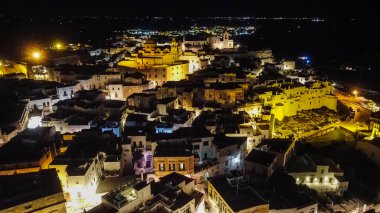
x: 58, y: 46
x: 355, y: 92
x: 36, y: 55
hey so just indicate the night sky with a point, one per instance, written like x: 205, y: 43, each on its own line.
x: 324, y: 8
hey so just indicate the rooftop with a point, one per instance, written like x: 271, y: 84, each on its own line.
x: 222, y: 141
x: 114, y: 104
x: 22, y: 188
x: 175, y: 179
x: 238, y: 200
x: 166, y: 100
x: 172, y: 150
x: 277, y: 145
x: 137, y: 117
x: 28, y: 146
x: 260, y: 157
x: 309, y: 163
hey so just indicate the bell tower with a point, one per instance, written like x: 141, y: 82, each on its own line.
x: 226, y: 36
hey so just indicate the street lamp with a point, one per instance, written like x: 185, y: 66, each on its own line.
x: 36, y: 55
x: 58, y: 46
x: 355, y: 93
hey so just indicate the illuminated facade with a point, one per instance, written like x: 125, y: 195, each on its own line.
x: 166, y: 163
x: 151, y: 55
x: 175, y: 71
x: 12, y: 68
x: 79, y: 178
x: 161, y: 63
x: 221, y: 43
x: 224, y: 93
x: 287, y: 98
x: 320, y: 174
x: 375, y: 125
x: 193, y: 59
x: 215, y: 42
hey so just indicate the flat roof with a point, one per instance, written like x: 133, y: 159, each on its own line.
x: 22, y: 188
x: 260, y: 157
x: 237, y: 200
x: 222, y: 141
x: 278, y: 145
x: 172, y: 150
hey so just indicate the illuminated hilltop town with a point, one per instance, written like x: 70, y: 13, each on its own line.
x: 188, y: 121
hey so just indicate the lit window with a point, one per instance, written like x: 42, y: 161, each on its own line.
x: 162, y: 167
x: 171, y: 166
x: 181, y: 167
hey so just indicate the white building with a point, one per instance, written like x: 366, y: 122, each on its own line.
x: 320, y: 174
x: 79, y: 178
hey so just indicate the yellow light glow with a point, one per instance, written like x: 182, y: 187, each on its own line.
x: 36, y: 55
x: 355, y: 92
x: 58, y: 46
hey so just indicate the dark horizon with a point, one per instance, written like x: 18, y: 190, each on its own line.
x: 194, y: 8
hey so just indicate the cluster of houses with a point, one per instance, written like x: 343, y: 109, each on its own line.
x: 171, y: 116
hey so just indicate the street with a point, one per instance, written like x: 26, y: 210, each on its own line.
x: 361, y: 114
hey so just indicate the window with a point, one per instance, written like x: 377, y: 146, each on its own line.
x: 161, y: 167
x: 322, y: 171
x: 181, y: 166
x: 172, y: 166
x: 64, y: 93
x: 196, y: 146
x: 116, y: 95
x: 140, y: 143
x: 205, y: 143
